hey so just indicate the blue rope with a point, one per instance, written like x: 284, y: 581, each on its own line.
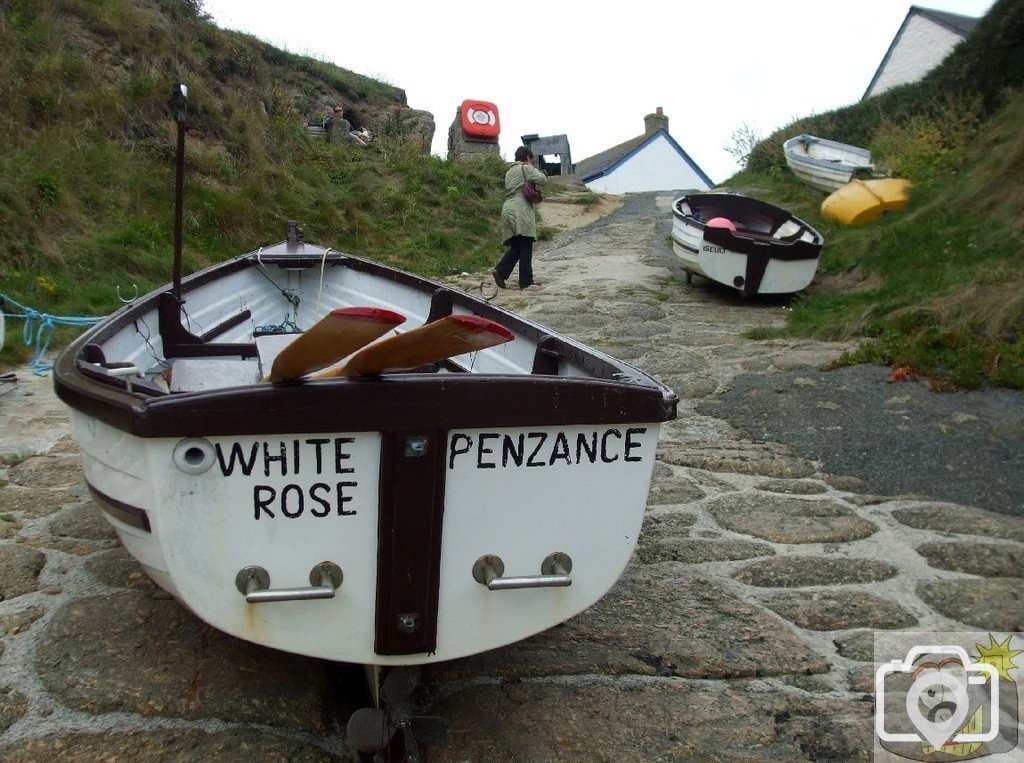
x: 287, y: 326
x: 38, y: 330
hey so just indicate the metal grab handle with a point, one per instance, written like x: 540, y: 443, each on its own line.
x: 254, y: 582
x: 555, y: 569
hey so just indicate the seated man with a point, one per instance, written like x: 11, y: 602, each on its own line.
x: 340, y: 129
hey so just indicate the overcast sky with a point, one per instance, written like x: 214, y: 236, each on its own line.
x: 592, y: 73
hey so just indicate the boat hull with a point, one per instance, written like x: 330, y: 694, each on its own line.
x: 862, y: 201
x: 826, y: 165
x: 771, y: 252
x: 584, y: 500
x: 538, y: 450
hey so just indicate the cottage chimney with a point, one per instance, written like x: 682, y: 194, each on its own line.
x: 656, y: 121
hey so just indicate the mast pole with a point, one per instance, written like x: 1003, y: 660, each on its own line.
x: 179, y: 102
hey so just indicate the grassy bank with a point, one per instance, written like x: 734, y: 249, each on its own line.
x: 87, y: 158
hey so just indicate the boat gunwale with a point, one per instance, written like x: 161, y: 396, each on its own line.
x: 805, y: 159
x: 449, y: 400
x: 747, y: 244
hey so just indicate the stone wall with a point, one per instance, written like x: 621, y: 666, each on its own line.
x: 461, y: 147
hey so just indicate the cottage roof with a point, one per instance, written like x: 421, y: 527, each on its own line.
x: 605, y: 162
x: 962, y: 25
x: 954, y: 22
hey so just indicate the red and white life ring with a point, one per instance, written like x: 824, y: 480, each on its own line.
x: 480, y: 120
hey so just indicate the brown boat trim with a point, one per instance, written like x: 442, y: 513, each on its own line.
x: 410, y: 519
x: 450, y: 401
x: 123, y: 512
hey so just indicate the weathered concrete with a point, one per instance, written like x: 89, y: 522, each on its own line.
x: 741, y: 630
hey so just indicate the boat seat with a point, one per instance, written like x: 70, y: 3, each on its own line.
x: 269, y: 346
x: 199, y: 374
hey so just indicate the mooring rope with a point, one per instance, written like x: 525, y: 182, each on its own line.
x: 38, y: 329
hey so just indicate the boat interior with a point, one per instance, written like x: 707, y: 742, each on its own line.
x: 232, y: 321
x: 754, y: 219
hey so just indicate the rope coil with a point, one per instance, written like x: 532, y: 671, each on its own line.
x: 38, y: 329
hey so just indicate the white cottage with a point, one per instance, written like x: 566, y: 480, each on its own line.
x: 925, y: 38
x: 650, y: 162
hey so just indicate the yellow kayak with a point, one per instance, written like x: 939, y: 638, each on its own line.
x: 862, y: 201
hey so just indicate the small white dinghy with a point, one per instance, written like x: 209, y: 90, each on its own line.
x: 826, y: 165
x: 383, y: 519
x: 743, y: 243
x: 444, y: 492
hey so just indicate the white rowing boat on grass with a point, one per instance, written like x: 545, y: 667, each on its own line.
x: 826, y: 165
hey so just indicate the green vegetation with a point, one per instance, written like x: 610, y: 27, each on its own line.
x: 939, y: 286
x: 87, y: 158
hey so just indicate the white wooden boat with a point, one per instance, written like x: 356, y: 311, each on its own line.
x: 826, y: 165
x: 763, y: 250
x: 399, y: 519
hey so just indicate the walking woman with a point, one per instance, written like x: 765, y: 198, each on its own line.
x: 518, y: 221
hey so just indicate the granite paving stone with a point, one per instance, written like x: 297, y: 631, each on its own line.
x: 793, y: 487
x: 76, y: 546
x: 21, y: 620
x: 116, y: 568
x: 678, y: 720
x: 12, y: 706
x: 781, y: 519
x: 984, y: 559
x: 798, y: 571
x: 698, y: 551
x: 673, y: 490
x: 861, y: 678
x: 190, y: 745
x: 19, y: 570
x: 33, y: 501
x: 95, y: 653
x: 965, y: 520
x: 84, y: 521
x: 47, y: 471
x: 9, y: 526
x: 991, y: 603
x: 663, y: 619
x: 858, y: 646
x: 838, y: 610
x: 845, y: 482
x: 764, y: 459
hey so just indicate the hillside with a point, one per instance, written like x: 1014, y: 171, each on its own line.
x: 87, y: 157
x: 937, y: 289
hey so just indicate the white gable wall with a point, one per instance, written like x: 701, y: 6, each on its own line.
x: 921, y: 48
x: 655, y: 167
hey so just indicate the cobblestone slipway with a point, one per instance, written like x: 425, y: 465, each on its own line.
x: 741, y: 629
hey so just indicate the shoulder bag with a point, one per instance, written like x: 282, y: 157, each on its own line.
x: 530, y: 190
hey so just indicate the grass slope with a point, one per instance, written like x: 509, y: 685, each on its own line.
x: 938, y: 287
x: 87, y: 158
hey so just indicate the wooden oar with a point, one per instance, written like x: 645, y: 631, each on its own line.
x: 430, y: 343
x: 337, y: 335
